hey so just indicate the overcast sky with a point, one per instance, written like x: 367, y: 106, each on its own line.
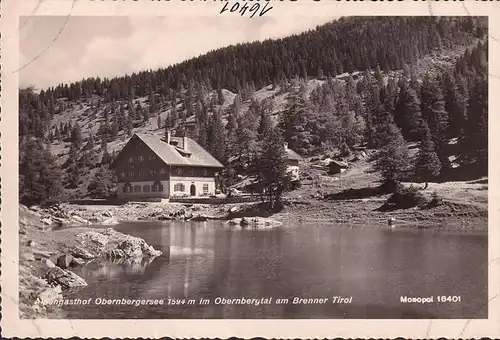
x: 110, y: 46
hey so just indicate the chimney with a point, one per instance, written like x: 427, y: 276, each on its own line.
x: 185, y: 143
x: 286, y: 145
x: 168, y: 137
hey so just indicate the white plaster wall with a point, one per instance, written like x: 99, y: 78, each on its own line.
x: 187, y: 181
x: 294, y: 171
x: 165, y: 193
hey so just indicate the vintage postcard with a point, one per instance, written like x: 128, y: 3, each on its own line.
x: 283, y: 169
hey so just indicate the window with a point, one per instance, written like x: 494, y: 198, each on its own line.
x: 151, y: 157
x: 179, y: 187
x: 131, y: 174
x: 205, y: 172
x: 176, y: 171
x: 122, y: 174
x: 137, y: 188
x: 157, y: 187
x: 152, y: 172
x: 192, y: 172
x: 127, y: 188
x: 145, y: 188
x: 162, y: 171
x: 131, y: 160
x: 205, y: 188
x: 141, y: 159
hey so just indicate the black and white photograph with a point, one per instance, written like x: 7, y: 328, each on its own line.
x: 220, y: 168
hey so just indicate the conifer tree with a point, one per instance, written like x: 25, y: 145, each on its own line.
x: 407, y: 112
x: 434, y: 114
x: 393, y: 159
x: 102, y: 184
x: 455, y: 105
x: 216, y: 138
x: 76, y: 136
x: 270, y: 167
x: 427, y: 165
x: 475, y: 141
x: 265, y: 124
x: 39, y: 175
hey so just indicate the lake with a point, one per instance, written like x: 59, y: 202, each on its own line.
x: 372, y: 266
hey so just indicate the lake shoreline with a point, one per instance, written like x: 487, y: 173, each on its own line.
x: 45, y: 233
x: 48, y: 257
x: 447, y: 215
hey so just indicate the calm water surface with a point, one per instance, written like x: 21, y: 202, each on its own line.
x: 375, y: 266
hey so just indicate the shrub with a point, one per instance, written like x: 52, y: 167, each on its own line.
x: 407, y: 197
x: 435, y: 201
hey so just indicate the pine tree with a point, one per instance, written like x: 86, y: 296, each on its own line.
x: 475, y: 141
x: 216, y: 138
x: 270, y: 168
x: 106, y: 158
x: 57, y: 134
x: 76, y: 136
x: 427, y: 165
x: 102, y: 184
x: 455, y: 105
x: 265, y: 124
x: 40, y: 177
x: 393, y: 159
x: 129, y: 125
x: 159, y: 122
x: 434, y: 114
x: 407, y: 113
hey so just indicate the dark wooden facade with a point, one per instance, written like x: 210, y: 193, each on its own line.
x: 138, y: 163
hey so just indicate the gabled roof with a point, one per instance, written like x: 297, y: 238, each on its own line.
x: 339, y: 163
x: 173, y: 154
x: 292, y: 155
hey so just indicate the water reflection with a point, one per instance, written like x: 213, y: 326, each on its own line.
x: 374, y: 266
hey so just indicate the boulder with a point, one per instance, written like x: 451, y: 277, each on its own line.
x: 82, y: 253
x: 47, y: 221
x: 27, y: 256
x: 131, y: 247
x: 116, y: 254
x: 98, y: 238
x: 30, y: 243
x: 110, y: 221
x: 200, y: 218
x: 57, y: 222
x: 164, y: 217
x: 48, y: 263
x: 64, y: 261
x: 243, y: 222
x: 79, y: 219
x: 75, y: 262
x: 40, y: 254
x: 65, y: 278
x: 106, y: 214
x: 136, y: 247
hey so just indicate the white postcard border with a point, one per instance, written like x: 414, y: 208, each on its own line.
x: 352, y: 328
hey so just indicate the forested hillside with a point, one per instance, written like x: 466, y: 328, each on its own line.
x: 376, y: 82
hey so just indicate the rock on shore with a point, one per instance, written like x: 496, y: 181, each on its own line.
x: 47, y: 256
x: 259, y: 222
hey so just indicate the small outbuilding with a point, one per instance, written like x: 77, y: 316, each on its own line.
x: 337, y: 167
